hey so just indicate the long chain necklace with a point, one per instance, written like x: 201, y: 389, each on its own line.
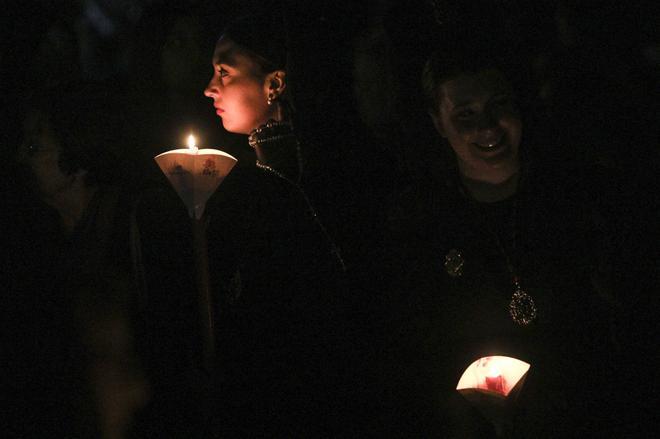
x: 277, y: 131
x: 522, y: 308
x: 334, y: 249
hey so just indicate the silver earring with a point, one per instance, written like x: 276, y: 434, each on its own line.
x: 270, y: 100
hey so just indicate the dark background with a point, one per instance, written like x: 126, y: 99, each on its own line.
x: 591, y: 74
x: 590, y: 69
x: 593, y: 65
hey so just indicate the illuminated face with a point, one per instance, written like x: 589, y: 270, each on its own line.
x: 478, y: 117
x: 40, y: 154
x: 238, y: 89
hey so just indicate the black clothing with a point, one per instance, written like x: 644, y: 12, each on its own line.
x: 278, y: 317
x: 441, y: 324
x: 59, y: 286
x: 277, y: 289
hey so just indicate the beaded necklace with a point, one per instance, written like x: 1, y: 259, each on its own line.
x: 277, y: 131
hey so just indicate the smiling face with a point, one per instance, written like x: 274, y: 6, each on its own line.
x: 239, y: 89
x: 477, y: 115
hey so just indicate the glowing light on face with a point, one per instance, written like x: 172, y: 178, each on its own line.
x: 239, y: 89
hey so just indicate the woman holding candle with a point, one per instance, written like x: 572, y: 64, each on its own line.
x: 276, y: 273
x: 496, y: 256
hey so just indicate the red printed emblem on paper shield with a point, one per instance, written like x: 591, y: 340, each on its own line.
x: 209, y: 167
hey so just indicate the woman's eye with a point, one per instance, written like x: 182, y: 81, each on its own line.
x: 222, y: 72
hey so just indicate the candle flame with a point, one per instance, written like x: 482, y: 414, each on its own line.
x: 494, y: 372
x: 191, y: 142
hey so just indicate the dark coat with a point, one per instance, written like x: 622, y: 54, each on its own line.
x: 61, y: 292
x: 279, y: 316
x: 439, y: 324
x: 277, y: 293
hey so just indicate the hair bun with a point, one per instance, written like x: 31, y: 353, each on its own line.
x: 263, y: 34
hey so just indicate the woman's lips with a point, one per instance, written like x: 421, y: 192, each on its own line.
x: 490, y: 145
x: 219, y: 111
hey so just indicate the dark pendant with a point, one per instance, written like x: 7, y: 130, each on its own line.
x: 454, y: 262
x: 522, y: 307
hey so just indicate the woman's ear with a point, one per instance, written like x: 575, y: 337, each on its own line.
x: 437, y: 122
x: 276, y: 82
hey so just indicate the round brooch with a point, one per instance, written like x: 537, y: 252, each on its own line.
x: 454, y: 263
x: 522, y: 308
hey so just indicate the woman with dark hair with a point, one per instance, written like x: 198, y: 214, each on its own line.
x: 251, y: 92
x: 277, y: 273
x: 252, y: 95
x: 276, y: 276
x: 496, y: 256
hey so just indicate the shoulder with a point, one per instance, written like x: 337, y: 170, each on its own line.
x: 417, y: 218
x: 418, y: 202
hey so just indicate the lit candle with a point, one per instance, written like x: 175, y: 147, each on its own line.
x: 496, y: 374
x: 195, y: 173
x: 494, y: 380
x: 491, y: 384
x: 192, y: 144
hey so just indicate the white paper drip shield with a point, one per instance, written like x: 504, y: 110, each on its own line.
x: 195, y: 174
x: 492, y: 385
x: 495, y: 375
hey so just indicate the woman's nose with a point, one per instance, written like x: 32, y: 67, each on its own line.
x: 211, y: 89
x: 487, y: 121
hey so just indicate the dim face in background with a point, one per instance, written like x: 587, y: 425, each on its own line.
x: 40, y: 155
x: 239, y: 89
x: 478, y: 117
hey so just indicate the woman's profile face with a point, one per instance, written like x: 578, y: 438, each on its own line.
x: 478, y: 117
x: 238, y: 89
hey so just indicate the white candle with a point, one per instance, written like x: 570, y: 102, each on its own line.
x: 195, y: 173
x: 494, y: 380
x: 498, y: 374
x: 192, y: 146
